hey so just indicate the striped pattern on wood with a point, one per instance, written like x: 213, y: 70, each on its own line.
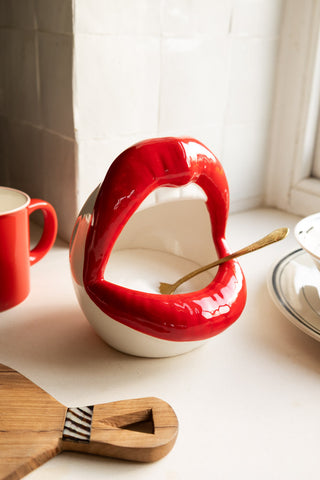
x: 77, y: 426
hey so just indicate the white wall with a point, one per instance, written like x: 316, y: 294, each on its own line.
x: 202, y: 68
x: 83, y: 80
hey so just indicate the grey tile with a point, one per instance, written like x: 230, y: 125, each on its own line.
x: 43, y: 165
x: 4, y: 160
x: 17, y: 14
x: 54, y: 16
x: 60, y: 179
x: 55, y: 62
x: 3, y: 70
x: 24, y: 156
x: 20, y: 78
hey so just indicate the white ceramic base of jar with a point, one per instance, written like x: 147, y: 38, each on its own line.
x: 126, y: 339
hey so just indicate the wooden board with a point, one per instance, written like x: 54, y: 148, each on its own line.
x: 35, y: 427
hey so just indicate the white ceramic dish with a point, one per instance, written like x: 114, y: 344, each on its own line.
x: 124, y: 244
x: 140, y: 233
x: 307, y: 233
x: 294, y: 286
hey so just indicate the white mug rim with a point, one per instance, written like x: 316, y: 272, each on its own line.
x: 21, y: 207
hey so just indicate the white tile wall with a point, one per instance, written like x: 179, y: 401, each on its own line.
x: 120, y: 97
x: 193, y: 90
x: 85, y: 80
x: 203, y: 68
x: 244, y: 148
x: 251, y: 78
x: 189, y: 18
x: 95, y: 158
x: 121, y: 17
x: 256, y: 18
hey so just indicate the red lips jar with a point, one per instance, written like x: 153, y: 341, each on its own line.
x: 160, y: 212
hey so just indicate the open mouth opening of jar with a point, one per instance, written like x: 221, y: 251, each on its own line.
x: 166, y: 238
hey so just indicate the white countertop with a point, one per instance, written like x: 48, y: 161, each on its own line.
x: 247, y: 402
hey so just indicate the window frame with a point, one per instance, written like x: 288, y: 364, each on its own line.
x: 290, y: 184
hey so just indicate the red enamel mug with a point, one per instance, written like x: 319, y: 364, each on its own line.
x: 15, y: 254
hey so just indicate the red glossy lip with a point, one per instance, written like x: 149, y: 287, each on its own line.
x: 133, y: 175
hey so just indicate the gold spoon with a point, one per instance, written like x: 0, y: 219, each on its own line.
x: 275, y: 236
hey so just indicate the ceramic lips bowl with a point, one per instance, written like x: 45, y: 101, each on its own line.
x: 307, y: 233
x: 160, y: 212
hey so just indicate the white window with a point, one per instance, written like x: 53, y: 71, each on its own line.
x: 316, y: 157
x: 293, y: 181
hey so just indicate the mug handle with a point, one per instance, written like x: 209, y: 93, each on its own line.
x: 49, y: 229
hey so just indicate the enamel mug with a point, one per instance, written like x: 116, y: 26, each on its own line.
x: 15, y: 254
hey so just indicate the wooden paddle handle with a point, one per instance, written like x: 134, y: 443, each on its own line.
x: 142, y: 430
x: 118, y: 430
x: 35, y: 427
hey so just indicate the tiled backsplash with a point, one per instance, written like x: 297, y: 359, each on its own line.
x: 37, y: 128
x: 84, y: 80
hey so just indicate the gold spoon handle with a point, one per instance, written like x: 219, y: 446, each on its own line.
x: 275, y: 236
